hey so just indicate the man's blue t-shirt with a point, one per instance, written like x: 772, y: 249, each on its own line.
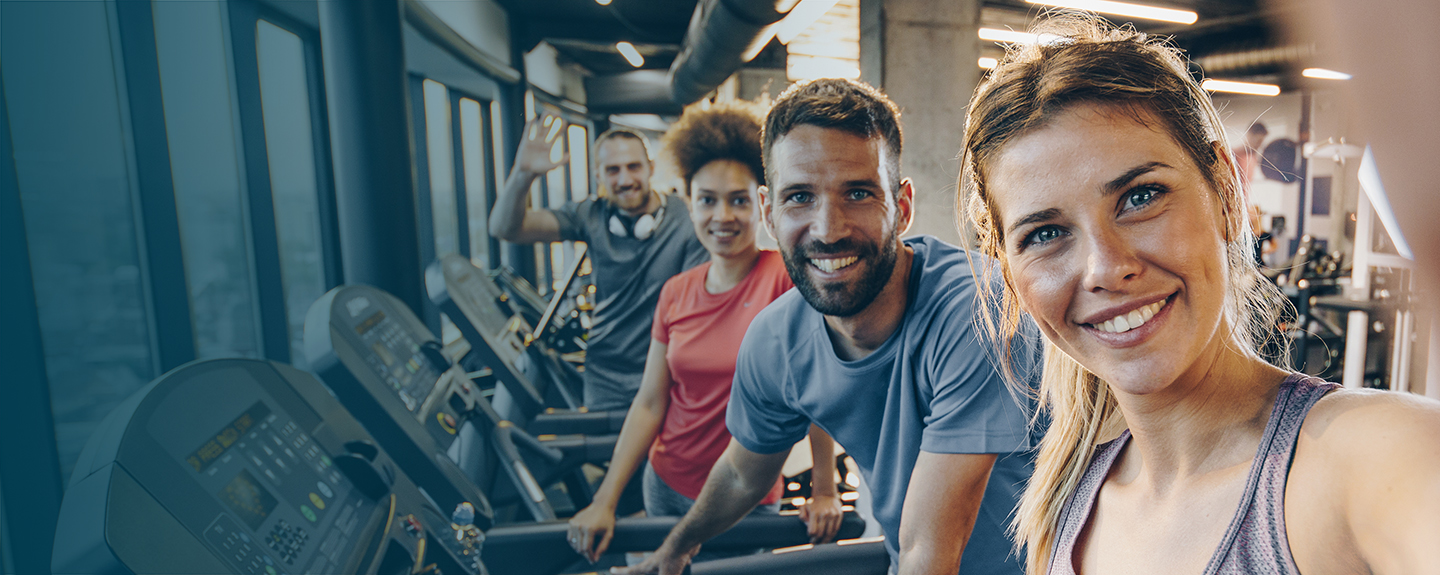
x: 932, y: 386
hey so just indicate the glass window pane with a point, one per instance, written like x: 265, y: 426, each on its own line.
x: 498, y: 146
x: 199, y: 123
x: 74, y: 178
x: 290, y: 147
x: 579, y: 162
x: 442, y: 168
x: 472, y: 152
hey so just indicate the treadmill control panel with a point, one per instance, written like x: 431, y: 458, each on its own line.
x: 482, y: 303
x: 287, y: 508
x: 390, y: 342
x: 391, y: 373
x: 247, y: 467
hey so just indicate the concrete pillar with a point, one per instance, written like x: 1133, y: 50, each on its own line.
x: 370, y: 143
x: 927, y: 52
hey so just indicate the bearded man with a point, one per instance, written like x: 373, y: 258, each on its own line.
x: 637, y: 238
x: 877, y: 346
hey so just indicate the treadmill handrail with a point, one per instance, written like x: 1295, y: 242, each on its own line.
x: 559, y: 296
x: 647, y: 533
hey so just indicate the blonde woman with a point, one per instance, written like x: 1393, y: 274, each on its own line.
x: 1095, y: 170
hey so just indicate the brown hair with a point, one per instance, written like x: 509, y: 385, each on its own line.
x: 613, y: 133
x: 1082, y: 59
x: 728, y: 131
x: 840, y: 104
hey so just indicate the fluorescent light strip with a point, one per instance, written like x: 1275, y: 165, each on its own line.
x: 1241, y: 87
x: 1124, y: 9
x: 1324, y: 74
x: 1013, y: 37
x: 630, y: 53
x: 988, y: 63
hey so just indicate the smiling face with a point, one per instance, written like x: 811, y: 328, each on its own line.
x: 722, y: 207
x: 1115, y: 245
x: 836, y: 224
x: 625, y: 171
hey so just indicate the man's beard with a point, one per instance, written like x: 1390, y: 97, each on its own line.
x: 840, y: 299
x: 632, y: 205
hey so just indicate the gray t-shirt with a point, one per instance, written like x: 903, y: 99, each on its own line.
x: 932, y: 386
x: 628, y: 275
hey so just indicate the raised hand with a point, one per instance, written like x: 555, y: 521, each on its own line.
x: 536, y: 142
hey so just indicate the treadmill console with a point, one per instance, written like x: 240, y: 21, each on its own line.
x: 388, y: 369
x: 246, y: 466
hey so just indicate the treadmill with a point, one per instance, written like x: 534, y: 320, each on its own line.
x: 535, y: 380
x: 386, y: 369
x: 251, y: 467
x: 380, y: 354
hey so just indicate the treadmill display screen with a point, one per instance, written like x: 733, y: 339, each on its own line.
x: 369, y: 322
x: 251, y: 501
x: 217, y: 445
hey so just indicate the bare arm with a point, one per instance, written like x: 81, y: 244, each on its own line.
x: 511, y: 220
x: 591, y: 529
x: 1384, y: 447
x: 941, y: 504
x: 739, y: 480
x: 822, y: 512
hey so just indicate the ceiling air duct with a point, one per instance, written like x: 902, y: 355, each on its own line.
x: 723, y: 35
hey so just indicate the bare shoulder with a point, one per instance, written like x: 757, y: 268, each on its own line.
x: 1373, y: 426
x: 1362, y: 493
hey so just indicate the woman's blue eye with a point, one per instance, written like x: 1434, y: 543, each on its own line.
x: 1040, y: 236
x: 1140, y: 197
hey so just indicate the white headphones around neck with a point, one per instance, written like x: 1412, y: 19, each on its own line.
x: 643, y: 226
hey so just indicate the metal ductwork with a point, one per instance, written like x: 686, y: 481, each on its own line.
x: 1257, y: 61
x: 635, y: 92
x: 723, y: 35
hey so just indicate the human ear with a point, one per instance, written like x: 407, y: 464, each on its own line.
x: 905, y: 205
x: 764, y: 193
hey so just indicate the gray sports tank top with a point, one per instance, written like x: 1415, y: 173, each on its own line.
x: 1255, y: 543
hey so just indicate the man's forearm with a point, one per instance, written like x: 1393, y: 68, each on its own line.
x: 822, y: 471
x: 728, y: 496
x: 508, y: 217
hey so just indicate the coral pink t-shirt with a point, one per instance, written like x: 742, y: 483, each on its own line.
x: 703, y: 332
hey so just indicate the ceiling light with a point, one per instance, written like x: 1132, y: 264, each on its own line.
x: 1241, y: 87
x: 1324, y: 74
x: 801, y: 17
x: 1124, y: 9
x: 1013, y: 37
x: 988, y: 63
x: 628, y: 51
x: 603, y: 2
